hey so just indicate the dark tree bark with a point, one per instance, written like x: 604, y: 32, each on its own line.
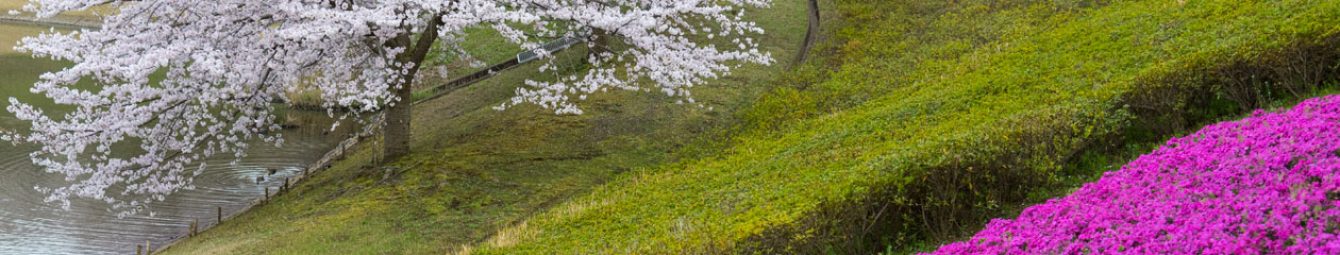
x: 397, y: 135
x: 599, y: 43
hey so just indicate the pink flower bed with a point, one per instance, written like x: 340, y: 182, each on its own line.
x: 1269, y: 184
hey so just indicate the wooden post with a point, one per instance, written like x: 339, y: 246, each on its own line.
x: 286, y: 184
x: 195, y: 227
x: 139, y: 250
x: 220, y: 220
x: 147, y: 248
x: 267, y: 195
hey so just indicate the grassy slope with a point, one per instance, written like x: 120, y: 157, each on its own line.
x: 924, y: 95
x: 486, y: 46
x: 477, y: 170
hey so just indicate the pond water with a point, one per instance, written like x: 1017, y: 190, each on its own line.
x: 30, y: 226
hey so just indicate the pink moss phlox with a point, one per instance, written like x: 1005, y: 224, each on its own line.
x: 1267, y: 184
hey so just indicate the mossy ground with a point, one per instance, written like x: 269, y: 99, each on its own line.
x: 476, y: 170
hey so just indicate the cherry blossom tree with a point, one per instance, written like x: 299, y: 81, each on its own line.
x: 182, y: 80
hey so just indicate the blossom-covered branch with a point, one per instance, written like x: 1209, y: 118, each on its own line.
x: 180, y: 80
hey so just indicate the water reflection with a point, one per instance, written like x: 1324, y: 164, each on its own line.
x: 30, y: 226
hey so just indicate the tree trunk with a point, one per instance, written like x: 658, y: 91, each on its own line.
x: 599, y: 44
x: 397, y: 133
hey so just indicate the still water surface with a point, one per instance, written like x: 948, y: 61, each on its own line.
x: 30, y: 226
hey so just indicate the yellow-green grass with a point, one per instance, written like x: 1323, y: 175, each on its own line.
x: 476, y: 170
x: 926, y: 116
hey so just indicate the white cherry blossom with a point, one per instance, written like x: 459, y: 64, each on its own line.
x: 182, y: 80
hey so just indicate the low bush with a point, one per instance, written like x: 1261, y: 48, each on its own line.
x: 1266, y: 184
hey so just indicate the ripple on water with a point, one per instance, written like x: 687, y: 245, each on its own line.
x: 28, y: 225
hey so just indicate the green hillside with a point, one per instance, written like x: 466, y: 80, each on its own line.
x: 913, y: 123
x: 926, y: 118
